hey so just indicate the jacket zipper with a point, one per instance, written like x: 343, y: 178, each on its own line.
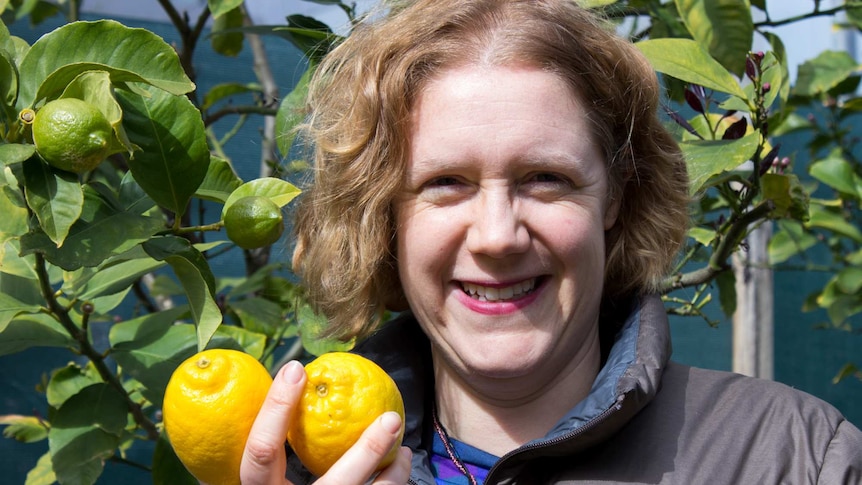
x: 566, y: 437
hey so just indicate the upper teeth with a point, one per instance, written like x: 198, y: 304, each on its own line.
x: 485, y: 293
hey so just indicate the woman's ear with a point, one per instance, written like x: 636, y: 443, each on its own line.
x: 612, y: 210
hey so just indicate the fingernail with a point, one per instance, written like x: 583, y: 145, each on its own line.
x: 293, y: 372
x: 391, y: 422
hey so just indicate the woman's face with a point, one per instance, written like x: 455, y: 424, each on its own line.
x: 500, y: 236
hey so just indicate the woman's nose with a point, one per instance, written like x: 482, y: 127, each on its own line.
x: 497, y: 228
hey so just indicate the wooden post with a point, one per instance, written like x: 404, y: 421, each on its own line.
x: 754, y: 317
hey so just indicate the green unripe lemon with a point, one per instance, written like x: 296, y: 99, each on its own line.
x: 71, y: 134
x: 253, y: 222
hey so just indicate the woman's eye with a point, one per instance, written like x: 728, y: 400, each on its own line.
x: 443, y: 181
x: 546, y: 177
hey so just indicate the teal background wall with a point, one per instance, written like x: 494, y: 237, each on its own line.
x: 805, y: 357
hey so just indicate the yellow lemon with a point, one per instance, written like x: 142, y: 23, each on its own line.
x: 72, y: 134
x: 344, y: 393
x: 210, y: 404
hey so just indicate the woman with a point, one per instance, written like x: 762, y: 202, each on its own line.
x: 496, y: 171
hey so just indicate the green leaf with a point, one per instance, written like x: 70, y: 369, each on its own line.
x: 197, y: 280
x: 831, y: 220
x: 706, y: 159
x: 259, y: 315
x: 103, y: 230
x: 167, y: 468
x: 13, y: 223
x: 726, y: 282
x: 702, y: 235
x: 132, y: 197
x: 174, y: 157
x: 114, y: 278
x: 85, y: 432
x: 849, y: 280
x: 8, y: 85
x: 42, y: 473
x: 219, y: 182
x: 311, y: 326
x: 26, y: 429
x: 221, y: 7
x: 223, y: 40
x: 836, y: 172
x: 103, y: 42
x: 724, y: 26
x: 95, y: 405
x: 38, y: 330
x: 54, y: 196
x: 11, y: 307
x: 15, y: 153
x: 789, y: 241
x: 280, y: 191
x: 686, y: 60
x: 149, y: 348
x: 788, y: 195
x: 95, y: 88
x: 226, y: 90
x: 291, y: 112
x: 824, y: 72
x: 68, y: 381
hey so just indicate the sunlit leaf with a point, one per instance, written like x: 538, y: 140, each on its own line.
x: 706, y: 159
x: 220, y: 181
x: 35, y: 330
x: 291, y: 112
x: 196, y: 277
x: 11, y: 307
x: 280, y: 191
x: 226, y: 42
x: 311, y: 327
x: 134, y: 50
x: 787, y: 194
x: 103, y: 230
x: 724, y: 26
x: 26, y: 429
x: 174, y: 157
x: 831, y: 220
x: 221, y: 7
x: 686, y: 60
x: 55, y: 197
x: 42, y: 473
x: 824, y: 72
x: 836, y: 172
x: 67, y: 381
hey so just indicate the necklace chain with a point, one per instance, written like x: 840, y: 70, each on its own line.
x: 444, y: 437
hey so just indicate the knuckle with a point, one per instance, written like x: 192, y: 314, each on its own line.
x: 263, y: 453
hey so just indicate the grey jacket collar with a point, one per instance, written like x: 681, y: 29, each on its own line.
x: 628, y: 380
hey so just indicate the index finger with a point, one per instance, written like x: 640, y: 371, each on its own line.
x: 264, y: 456
x: 363, y: 458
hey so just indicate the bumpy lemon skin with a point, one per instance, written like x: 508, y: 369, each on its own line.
x: 343, y: 395
x: 72, y: 134
x: 210, y: 404
x: 253, y: 222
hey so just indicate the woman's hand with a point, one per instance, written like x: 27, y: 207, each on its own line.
x: 264, y: 460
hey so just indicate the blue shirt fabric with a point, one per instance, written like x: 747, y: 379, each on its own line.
x: 478, y: 463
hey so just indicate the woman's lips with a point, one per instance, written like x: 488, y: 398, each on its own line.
x: 497, y: 292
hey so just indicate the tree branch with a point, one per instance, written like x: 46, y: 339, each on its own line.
x: 718, y: 261
x: 87, y: 349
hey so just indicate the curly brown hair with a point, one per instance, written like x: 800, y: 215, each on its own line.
x: 361, y: 97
